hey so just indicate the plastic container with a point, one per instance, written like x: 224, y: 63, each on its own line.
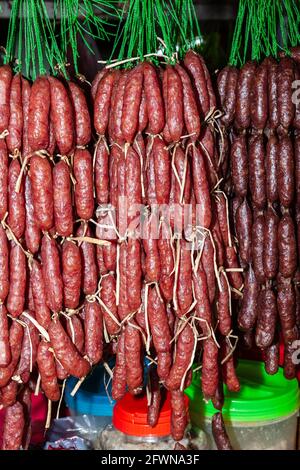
x: 130, y: 430
x: 92, y: 399
x: 262, y: 416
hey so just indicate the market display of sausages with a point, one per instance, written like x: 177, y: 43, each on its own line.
x: 262, y: 184
x: 147, y: 219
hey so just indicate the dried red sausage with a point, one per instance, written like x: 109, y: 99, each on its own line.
x: 47, y: 370
x: 131, y: 103
x: 244, y: 86
x: 52, y: 274
x: 5, y: 84
x: 17, y: 281
x: 71, y: 274
x: 257, y: 175
x: 38, y: 117
x: 42, y: 191
x: 62, y: 199
x: 32, y: 231
x: 16, y: 202
x: 287, y: 248
x: 82, y: 115
x: 285, y: 172
x: 15, y: 126
x: 66, y: 352
x: 4, y: 265
x: 93, y: 329
x: 62, y: 115
x: 41, y: 308
x: 83, y: 172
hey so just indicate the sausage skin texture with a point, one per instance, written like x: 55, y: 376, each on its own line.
x: 210, y: 371
x: 17, y: 281
x: 83, y: 172
x: 62, y: 200
x: 179, y: 418
x: 16, y: 201
x: 102, y: 102
x: 257, y: 176
x: 258, y: 232
x: 62, y: 116
x: 108, y: 297
x: 219, y: 433
x: 5, y: 353
x: 102, y: 172
x: 286, y: 107
x: 66, y: 352
x: 243, y: 229
x: 287, y: 248
x: 38, y: 117
x: 4, y: 265
x: 244, y: 86
x: 270, y: 253
x: 32, y: 231
x: 15, y: 126
x: 47, y: 369
x: 134, y: 370
x: 154, y: 99
x: 159, y: 327
x: 41, y: 308
x: 71, y: 274
x: 174, y: 105
x: 183, y: 356
x: 259, y: 97
x: 93, y: 328
x: 82, y: 115
x: 229, y: 103
x: 131, y: 103
x: 272, y: 168
x: 119, y: 376
x: 5, y: 84
x: 201, y: 189
x: 15, y: 343
x: 267, y: 317
x: 3, y: 178
x: 239, y: 165
x: 13, y: 427
x: 190, y: 110
x: 248, y: 312
x: 286, y: 304
x: 42, y: 191
x: 88, y: 261
x: 52, y: 274
x: 285, y: 174
x: 196, y: 71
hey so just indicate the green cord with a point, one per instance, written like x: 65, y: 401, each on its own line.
x: 149, y: 26
x: 263, y: 28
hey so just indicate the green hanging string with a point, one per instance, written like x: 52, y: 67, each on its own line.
x: 263, y: 28
x: 74, y: 19
x: 150, y: 26
x: 31, y: 44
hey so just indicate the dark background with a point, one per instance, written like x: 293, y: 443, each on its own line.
x: 216, y: 20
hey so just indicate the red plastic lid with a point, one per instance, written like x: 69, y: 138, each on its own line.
x: 130, y: 416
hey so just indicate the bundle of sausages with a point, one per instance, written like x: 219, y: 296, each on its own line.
x: 261, y: 121
x: 174, y: 273
x: 126, y: 253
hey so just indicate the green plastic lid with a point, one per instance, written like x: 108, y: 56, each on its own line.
x: 262, y: 397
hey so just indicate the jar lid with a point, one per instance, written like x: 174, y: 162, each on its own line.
x: 262, y: 397
x: 92, y: 398
x: 130, y: 416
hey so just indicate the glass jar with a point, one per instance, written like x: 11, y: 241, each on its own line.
x: 130, y: 430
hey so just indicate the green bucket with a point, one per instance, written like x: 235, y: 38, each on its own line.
x: 262, y: 397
